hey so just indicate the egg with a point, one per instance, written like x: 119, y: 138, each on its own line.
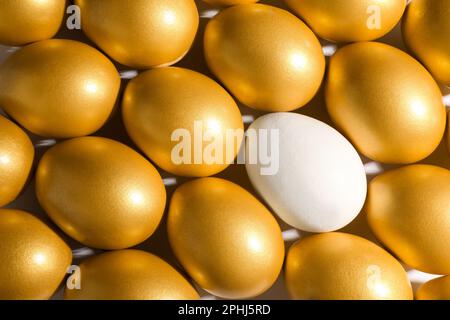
x: 385, y: 102
x: 34, y: 258
x: 408, y: 209
x: 448, y: 132
x: 100, y: 192
x: 436, y: 289
x: 16, y: 159
x: 229, y: 2
x: 184, y: 121
x: 141, y: 33
x: 349, y: 20
x: 426, y: 32
x: 59, y: 88
x: 340, y: 266
x: 226, y: 240
x: 25, y: 21
x: 313, y: 178
x: 266, y: 57
x: 129, y: 275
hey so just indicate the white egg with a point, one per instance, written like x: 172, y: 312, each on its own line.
x: 319, y: 185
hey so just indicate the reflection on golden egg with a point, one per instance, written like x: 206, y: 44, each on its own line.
x: 25, y: 21
x: 141, y: 33
x: 16, y: 159
x: 59, y: 88
x: 34, y: 259
x: 349, y: 20
x: 229, y: 2
x: 426, y: 32
x: 340, y: 266
x: 268, y: 58
x: 227, y: 241
x: 184, y: 121
x: 436, y: 289
x: 100, y: 192
x: 129, y: 275
x: 408, y: 209
x: 386, y: 103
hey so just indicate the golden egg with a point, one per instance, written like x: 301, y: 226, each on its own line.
x: 100, y: 192
x: 25, y: 21
x: 129, y: 275
x: 184, y: 121
x: 141, y: 33
x: 34, y: 259
x: 59, y: 88
x: 408, y: 209
x: 16, y: 159
x: 426, y: 32
x: 386, y: 103
x: 268, y: 58
x: 448, y: 132
x: 227, y: 241
x: 436, y: 289
x: 340, y: 266
x: 229, y: 2
x: 349, y: 20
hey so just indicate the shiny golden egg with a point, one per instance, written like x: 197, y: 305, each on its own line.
x: 227, y: 241
x: 59, y: 88
x: 436, y: 289
x: 267, y: 58
x: 408, y: 209
x: 448, y: 131
x: 34, y: 259
x: 229, y: 2
x: 129, y: 275
x: 426, y: 32
x: 16, y: 159
x: 385, y: 102
x: 184, y: 121
x: 349, y: 20
x: 141, y: 33
x: 26, y: 21
x: 100, y: 192
x: 340, y: 266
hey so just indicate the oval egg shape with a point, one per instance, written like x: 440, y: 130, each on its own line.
x: 227, y: 241
x: 100, y: 192
x: 266, y: 57
x: 408, y: 209
x: 436, y: 289
x: 340, y: 266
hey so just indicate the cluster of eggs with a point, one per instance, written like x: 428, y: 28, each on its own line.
x: 384, y: 104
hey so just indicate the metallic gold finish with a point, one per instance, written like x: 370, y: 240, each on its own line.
x: 100, y: 192
x: 386, y: 103
x: 34, y: 259
x: 59, y: 88
x: 229, y: 2
x: 408, y: 209
x: 268, y: 58
x: 426, y: 32
x: 25, y: 21
x: 349, y: 20
x: 436, y: 289
x: 227, y: 241
x: 448, y: 131
x: 340, y: 266
x: 130, y: 275
x: 141, y: 33
x: 163, y: 100
x: 16, y: 159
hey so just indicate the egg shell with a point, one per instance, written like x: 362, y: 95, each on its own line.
x: 436, y: 289
x: 229, y: 2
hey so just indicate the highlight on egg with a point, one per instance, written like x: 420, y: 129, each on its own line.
x: 436, y: 289
x: 100, y: 192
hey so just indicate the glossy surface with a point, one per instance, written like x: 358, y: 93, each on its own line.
x: 169, y: 110
x: 385, y: 102
x: 100, y: 192
x: 16, y: 159
x: 267, y: 58
x: 448, y: 131
x: 59, y: 88
x: 340, y: 266
x: 130, y: 275
x: 226, y: 240
x: 436, y: 289
x: 141, y: 33
x: 426, y: 32
x: 229, y: 2
x: 408, y: 209
x: 34, y: 259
